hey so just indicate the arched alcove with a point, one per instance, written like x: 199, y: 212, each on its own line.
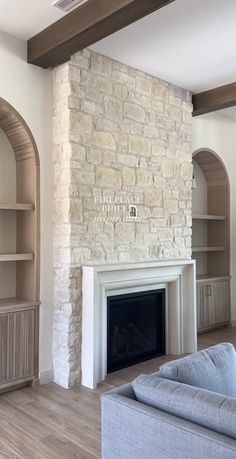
x: 19, y: 254
x: 211, y: 237
x: 7, y: 219
x: 18, y: 132
x: 212, y: 167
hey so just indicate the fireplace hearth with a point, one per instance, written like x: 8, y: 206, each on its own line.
x: 135, y: 328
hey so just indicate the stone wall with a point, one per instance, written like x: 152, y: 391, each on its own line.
x: 121, y: 138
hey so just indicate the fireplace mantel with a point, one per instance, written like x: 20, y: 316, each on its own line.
x: 100, y: 281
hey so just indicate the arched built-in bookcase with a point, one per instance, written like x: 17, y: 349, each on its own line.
x: 211, y: 239
x: 19, y: 258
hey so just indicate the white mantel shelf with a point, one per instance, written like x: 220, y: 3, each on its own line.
x: 136, y: 265
x: 178, y: 277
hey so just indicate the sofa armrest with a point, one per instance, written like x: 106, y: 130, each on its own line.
x: 126, y: 391
x: 132, y: 430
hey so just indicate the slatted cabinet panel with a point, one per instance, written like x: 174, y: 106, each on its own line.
x: 17, y: 340
x: 4, y: 333
x: 213, y: 304
x: 219, y: 303
x: 202, y: 308
x: 10, y: 349
x: 24, y: 344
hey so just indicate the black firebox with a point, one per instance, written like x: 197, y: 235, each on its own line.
x: 135, y: 328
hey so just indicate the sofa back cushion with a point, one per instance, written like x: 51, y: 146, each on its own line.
x: 205, y: 408
x: 213, y: 369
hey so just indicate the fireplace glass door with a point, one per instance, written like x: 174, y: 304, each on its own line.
x: 135, y: 328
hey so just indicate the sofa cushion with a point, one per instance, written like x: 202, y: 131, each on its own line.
x: 213, y: 369
x: 211, y: 410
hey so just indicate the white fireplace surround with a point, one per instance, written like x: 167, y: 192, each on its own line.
x: 100, y: 281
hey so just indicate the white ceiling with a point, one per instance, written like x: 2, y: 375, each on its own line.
x: 25, y: 18
x: 191, y: 43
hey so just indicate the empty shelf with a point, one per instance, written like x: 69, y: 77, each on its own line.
x: 16, y: 256
x: 208, y: 217
x: 211, y: 277
x: 208, y: 249
x: 15, y: 206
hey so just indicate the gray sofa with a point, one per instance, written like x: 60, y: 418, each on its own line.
x: 185, y: 410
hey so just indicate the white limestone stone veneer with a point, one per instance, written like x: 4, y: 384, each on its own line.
x: 100, y: 281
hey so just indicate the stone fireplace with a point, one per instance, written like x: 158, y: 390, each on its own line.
x: 100, y: 282
x: 122, y: 184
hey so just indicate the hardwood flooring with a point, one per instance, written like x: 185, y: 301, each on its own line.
x: 50, y: 422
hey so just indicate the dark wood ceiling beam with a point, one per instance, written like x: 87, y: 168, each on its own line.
x: 214, y: 99
x: 92, y: 21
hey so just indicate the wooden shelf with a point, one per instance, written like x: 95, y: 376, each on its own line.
x: 211, y: 277
x: 208, y: 217
x: 16, y: 304
x: 208, y: 249
x: 15, y: 206
x: 16, y: 256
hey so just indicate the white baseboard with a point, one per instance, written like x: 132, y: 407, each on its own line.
x: 233, y: 323
x: 46, y: 377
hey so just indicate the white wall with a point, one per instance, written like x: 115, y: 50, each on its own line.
x: 217, y: 131
x: 29, y: 90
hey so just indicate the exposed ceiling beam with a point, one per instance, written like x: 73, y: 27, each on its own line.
x: 92, y: 21
x: 214, y: 99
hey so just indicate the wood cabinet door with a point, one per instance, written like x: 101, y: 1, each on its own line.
x: 219, y: 303
x: 202, y: 308
x: 17, y: 346
x: 3, y: 348
x: 24, y: 344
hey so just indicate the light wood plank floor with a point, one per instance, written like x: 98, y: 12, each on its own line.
x: 50, y: 422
